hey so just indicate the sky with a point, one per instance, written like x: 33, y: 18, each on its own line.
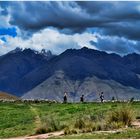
x: 113, y: 26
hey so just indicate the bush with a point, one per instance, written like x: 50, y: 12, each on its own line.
x: 88, y: 125
x: 53, y: 124
x: 99, y: 126
x: 124, y: 115
x: 93, y: 128
x: 67, y: 131
x: 41, y: 130
x: 93, y: 117
x: 80, y: 123
x: 137, y: 117
x: 74, y: 131
x: 114, y: 125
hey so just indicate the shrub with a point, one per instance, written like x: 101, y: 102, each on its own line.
x: 53, y: 124
x: 67, y: 131
x: 114, y: 125
x: 74, y: 131
x: 99, y: 126
x: 41, y: 130
x: 137, y: 117
x: 93, y: 117
x: 88, y: 125
x: 80, y: 123
x: 124, y: 115
x: 93, y: 128
x: 88, y: 129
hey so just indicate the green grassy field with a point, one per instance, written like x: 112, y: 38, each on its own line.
x: 21, y: 119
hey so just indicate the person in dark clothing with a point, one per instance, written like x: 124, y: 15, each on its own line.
x: 102, y: 97
x: 82, y: 98
x: 65, y: 98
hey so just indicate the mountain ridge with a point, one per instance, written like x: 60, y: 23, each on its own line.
x: 16, y: 64
x: 77, y: 64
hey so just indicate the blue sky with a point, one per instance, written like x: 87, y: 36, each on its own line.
x: 57, y: 26
x: 8, y: 31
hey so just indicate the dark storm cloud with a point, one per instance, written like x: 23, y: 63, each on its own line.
x: 118, y: 21
x: 38, y: 15
x: 3, y: 6
x: 116, y: 45
x: 112, y: 18
x: 114, y: 10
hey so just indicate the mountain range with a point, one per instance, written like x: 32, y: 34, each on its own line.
x: 35, y: 75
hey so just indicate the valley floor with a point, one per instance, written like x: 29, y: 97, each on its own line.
x: 26, y: 119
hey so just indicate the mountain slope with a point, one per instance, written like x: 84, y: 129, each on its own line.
x: 24, y: 70
x: 132, y: 62
x: 55, y: 86
x: 79, y: 64
x: 4, y: 95
x: 16, y: 64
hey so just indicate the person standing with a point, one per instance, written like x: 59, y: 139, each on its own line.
x: 82, y: 98
x: 65, y: 98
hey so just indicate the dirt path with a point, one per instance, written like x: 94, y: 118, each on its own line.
x: 38, y: 124
x: 37, y: 118
x: 136, y: 124
x: 40, y: 136
x: 47, y: 135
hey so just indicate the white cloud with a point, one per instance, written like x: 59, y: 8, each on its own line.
x: 4, y: 19
x: 1, y: 42
x: 3, y: 48
x: 50, y: 39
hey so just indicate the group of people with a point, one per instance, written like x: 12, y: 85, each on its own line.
x: 82, y: 97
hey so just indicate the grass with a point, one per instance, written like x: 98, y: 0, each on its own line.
x: 19, y: 119
x: 15, y: 120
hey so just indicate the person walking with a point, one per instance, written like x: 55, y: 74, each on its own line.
x: 102, y: 97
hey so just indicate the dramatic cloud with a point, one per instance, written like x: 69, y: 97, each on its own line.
x: 4, y: 18
x: 78, y: 16
x: 116, y: 45
x: 72, y: 24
